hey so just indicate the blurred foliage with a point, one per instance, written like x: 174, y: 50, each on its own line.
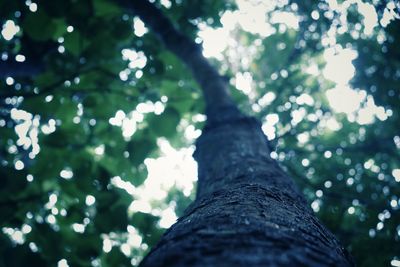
x: 101, y: 95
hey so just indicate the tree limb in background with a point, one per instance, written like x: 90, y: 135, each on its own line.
x: 214, y: 86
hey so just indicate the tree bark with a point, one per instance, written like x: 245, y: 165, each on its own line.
x: 248, y: 211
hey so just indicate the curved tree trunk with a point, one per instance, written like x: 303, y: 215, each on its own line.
x: 248, y: 212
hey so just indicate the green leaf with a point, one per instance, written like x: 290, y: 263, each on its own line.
x: 146, y: 224
x: 20, y: 255
x: 139, y: 149
x: 75, y: 43
x: 105, y: 8
x: 139, y: 175
x: 112, y: 219
x: 57, y: 139
x: 39, y: 26
x: 166, y: 123
x: 45, y: 79
x: 115, y: 258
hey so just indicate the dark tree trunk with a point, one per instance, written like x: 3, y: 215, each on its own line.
x: 248, y: 212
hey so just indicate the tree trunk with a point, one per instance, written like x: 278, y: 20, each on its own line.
x: 247, y: 212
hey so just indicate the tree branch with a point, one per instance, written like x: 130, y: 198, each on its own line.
x: 219, y: 103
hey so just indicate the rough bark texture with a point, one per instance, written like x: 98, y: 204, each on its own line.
x: 248, y: 212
